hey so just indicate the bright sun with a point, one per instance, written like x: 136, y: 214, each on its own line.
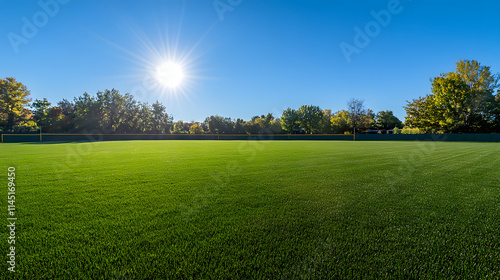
x: 170, y: 74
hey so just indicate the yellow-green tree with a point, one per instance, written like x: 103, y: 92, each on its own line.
x: 178, y: 127
x: 421, y: 113
x: 195, y: 129
x: 461, y: 101
x: 340, y: 122
x: 453, y: 99
x: 13, y: 97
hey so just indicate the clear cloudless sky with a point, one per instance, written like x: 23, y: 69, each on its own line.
x: 264, y: 56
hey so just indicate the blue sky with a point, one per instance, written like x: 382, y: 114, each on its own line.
x: 264, y: 56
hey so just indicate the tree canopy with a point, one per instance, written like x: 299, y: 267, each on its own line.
x: 387, y: 120
x: 310, y: 118
x: 461, y: 101
x: 13, y: 97
x: 289, y: 120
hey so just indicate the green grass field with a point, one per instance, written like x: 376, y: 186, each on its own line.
x: 254, y: 210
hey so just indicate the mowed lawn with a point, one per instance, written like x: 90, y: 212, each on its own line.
x: 254, y: 210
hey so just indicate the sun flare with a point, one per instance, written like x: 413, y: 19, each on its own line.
x: 168, y: 70
x: 170, y: 74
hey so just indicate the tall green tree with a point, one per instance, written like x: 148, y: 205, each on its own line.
x: 326, y: 125
x: 275, y: 126
x: 495, y: 104
x: 87, y: 113
x: 289, y: 120
x: 239, y: 126
x: 367, y: 120
x: 310, y: 118
x: 218, y: 124
x: 41, y: 112
x: 461, y: 101
x: 161, y: 120
x: 454, y: 100
x: 479, y: 78
x: 130, y: 119
x: 145, y: 118
x: 387, y: 120
x: 55, y: 119
x: 482, y: 84
x: 13, y: 97
x: 264, y: 124
x: 68, y: 112
x: 421, y: 113
x: 112, y: 110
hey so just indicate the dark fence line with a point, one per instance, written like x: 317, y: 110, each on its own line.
x: 469, y: 137
x: 14, y: 138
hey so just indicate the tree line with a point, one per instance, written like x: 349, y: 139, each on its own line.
x: 106, y: 112
x: 461, y: 101
x: 112, y: 112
